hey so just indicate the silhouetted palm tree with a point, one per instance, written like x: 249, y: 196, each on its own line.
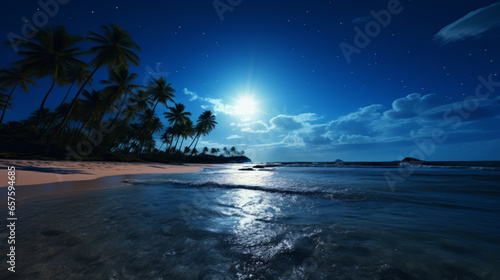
x: 76, y: 75
x: 160, y: 92
x: 149, y: 126
x: 140, y: 101
x: 226, y: 151
x: 3, y: 99
x: 176, y: 132
x: 90, y: 108
x: 11, y: 78
x: 177, y: 115
x: 41, y: 117
x: 205, y: 123
x: 119, y: 86
x: 165, y: 137
x: 50, y: 53
x: 114, y: 49
x: 186, y: 131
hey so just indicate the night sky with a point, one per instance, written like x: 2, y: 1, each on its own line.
x: 297, y: 81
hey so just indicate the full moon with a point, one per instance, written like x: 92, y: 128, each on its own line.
x: 246, y: 106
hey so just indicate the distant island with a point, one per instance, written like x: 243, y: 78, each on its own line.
x: 113, y: 119
x: 408, y: 162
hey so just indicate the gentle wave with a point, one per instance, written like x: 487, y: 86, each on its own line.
x: 334, y: 195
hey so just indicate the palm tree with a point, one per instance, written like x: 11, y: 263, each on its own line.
x: 177, y: 117
x: 226, y: 151
x: 233, y: 151
x: 3, y: 100
x: 76, y: 75
x: 204, y: 151
x: 160, y: 91
x: 136, y: 104
x: 114, y: 49
x: 156, y: 125
x: 165, y: 137
x: 168, y: 136
x: 119, y: 86
x: 140, y: 101
x: 175, y: 132
x: 186, y: 131
x: 147, y: 120
x: 11, y: 78
x: 89, y: 108
x: 41, y: 117
x: 50, y: 53
x: 205, y: 123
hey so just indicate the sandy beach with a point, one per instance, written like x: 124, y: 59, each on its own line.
x: 34, y: 172
x: 42, y: 177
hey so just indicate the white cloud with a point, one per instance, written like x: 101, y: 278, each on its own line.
x: 255, y: 127
x: 218, y: 106
x: 412, y: 105
x: 283, y: 122
x: 215, y: 105
x: 373, y: 132
x: 410, y: 116
x: 193, y: 95
x: 473, y: 24
x: 234, y: 137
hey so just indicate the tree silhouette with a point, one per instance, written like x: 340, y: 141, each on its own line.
x: 11, y: 78
x: 114, y: 49
x: 50, y: 53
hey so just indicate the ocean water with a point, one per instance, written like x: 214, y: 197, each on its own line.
x: 303, y: 221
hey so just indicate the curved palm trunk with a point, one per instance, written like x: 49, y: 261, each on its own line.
x: 180, y: 147
x: 162, y: 143
x: 50, y: 89
x: 146, y: 125
x: 55, y: 120
x: 194, y: 148
x: 154, y: 107
x: 73, y: 103
x: 120, y: 109
x: 175, y: 147
x: 64, y: 99
x: 171, y: 142
x: 194, y: 139
x: 7, y: 102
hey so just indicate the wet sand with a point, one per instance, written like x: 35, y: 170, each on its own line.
x: 39, y: 177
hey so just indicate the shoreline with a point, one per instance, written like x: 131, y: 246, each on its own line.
x: 36, y: 172
x: 43, y: 178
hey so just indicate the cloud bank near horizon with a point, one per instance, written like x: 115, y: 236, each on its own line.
x: 406, y: 122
